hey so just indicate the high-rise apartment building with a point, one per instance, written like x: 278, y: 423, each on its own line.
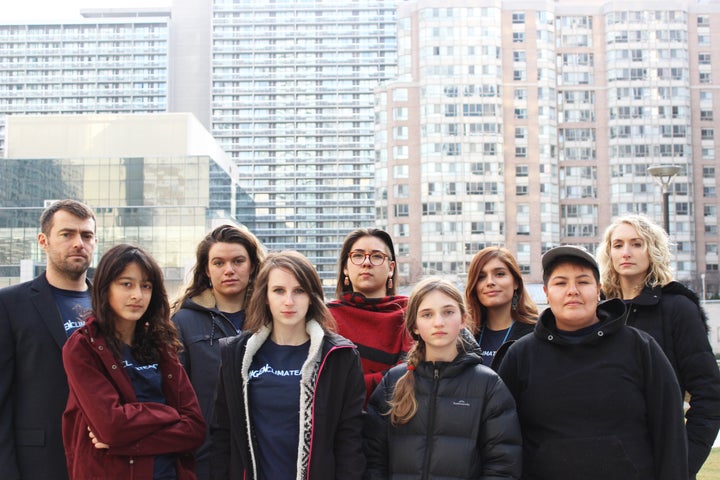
x: 292, y: 104
x: 532, y: 124
x: 107, y: 62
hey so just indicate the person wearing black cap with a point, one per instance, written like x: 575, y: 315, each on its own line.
x: 596, y: 399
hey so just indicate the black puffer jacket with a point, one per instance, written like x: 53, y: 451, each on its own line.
x: 466, y: 426
x: 673, y: 316
x: 602, y: 404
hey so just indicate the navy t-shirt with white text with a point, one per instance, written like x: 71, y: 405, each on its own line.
x: 73, y: 306
x: 274, y: 397
x: 147, y: 383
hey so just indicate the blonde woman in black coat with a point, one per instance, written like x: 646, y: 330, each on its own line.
x: 634, y: 259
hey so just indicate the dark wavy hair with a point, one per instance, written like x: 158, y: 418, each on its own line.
x: 526, y: 311
x: 154, y: 330
x: 222, y: 234
x: 349, y: 241
x: 258, y: 312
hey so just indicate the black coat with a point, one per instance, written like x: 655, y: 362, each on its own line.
x: 332, y: 397
x: 465, y: 427
x: 518, y: 331
x: 673, y: 316
x: 33, y: 386
x: 604, y: 405
x: 200, y: 326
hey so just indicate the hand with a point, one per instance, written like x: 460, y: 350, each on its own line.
x: 98, y: 444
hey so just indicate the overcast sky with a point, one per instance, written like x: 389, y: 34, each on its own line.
x: 30, y: 10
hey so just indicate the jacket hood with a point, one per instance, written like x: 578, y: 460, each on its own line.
x: 203, y: 302
x: 383, y: 304
x: 652, y: 296
x: 610, y: 312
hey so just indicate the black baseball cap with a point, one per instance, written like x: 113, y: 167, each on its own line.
x: 568, y: 251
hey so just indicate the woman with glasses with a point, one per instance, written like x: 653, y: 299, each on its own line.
x: 366, y: 309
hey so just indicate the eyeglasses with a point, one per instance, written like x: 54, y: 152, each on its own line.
x: 358, y: 257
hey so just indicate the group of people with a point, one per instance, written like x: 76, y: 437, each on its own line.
x: 250, y: 373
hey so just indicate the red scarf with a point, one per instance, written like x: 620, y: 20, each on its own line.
x: 377, y: 327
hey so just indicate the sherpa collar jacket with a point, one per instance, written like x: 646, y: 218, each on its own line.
x: 330, y: 405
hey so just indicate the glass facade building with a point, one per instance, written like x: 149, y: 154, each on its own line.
x: 165, y: 203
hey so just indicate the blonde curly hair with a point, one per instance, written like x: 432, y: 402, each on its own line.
x: 656, y: 244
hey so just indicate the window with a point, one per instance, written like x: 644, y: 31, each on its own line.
x: 707, y: 133
x: 489, y: 208
x: 521, y: 113
x: 521, y: 190
x: 518, y: 18
x: 454, y: 208
x: 521, y: 171
x: 706, y: 115
x: 518, y: 37
x: 705, y: 77
x: 521, y: 132
x: 479, y: 168
x: 704, y: 58
x: 401, y: 190
x: 402, y: 210
x: 400, y: 171
x: 451, y: 149
x: 708, y: 172
x: 477, y: 227
x: 521, y: 152
x: 431, y: 208
x: 401, y: 230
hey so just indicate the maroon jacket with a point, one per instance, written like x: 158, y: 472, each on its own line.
x: 103, y: 399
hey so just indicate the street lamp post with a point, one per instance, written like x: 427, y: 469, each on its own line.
x: 664, y: 174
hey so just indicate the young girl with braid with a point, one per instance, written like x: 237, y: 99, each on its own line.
x: 442, y: 414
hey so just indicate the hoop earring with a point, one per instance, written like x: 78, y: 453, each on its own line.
x: 515, y: 299
x: 347, y: 281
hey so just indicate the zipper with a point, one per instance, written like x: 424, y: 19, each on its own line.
x: 431, y: 424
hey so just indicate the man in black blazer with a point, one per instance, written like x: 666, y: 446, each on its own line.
x: 36, y: 317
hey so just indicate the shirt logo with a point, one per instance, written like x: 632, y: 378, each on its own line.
x: 461, y: 403
x: 267, y: 369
